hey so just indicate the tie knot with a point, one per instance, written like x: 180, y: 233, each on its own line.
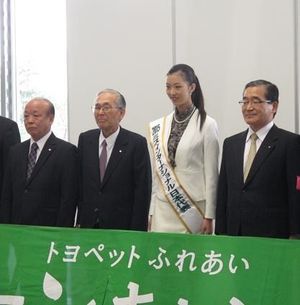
x: 104, y: 144
x: 253, y: 137
x: 34, y: 146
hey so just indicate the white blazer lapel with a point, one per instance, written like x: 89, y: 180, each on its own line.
x: 167, y: 131
x: 189, y: 133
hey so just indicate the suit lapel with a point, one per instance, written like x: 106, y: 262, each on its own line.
x: 188, y: 135
x: 48, y: 149
x: 189, y: 132
x: 267, y: 146
x: 24, y: 162
x: 117, y: 154
x: 94, y: 154
x: 239, y: 156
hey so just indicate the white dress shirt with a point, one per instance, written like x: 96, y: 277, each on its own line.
x: 261, y: 134
x: 40, y: 143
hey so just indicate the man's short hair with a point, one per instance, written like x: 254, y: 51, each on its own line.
x: 272, y: 93
x: 51, y: 109
x: 120, y: 98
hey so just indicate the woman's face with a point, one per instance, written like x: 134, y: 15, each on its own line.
x: 179, y: 91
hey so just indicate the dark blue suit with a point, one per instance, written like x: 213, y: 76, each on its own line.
x: 122, y: 200
x: 50, y: 195
x: 268, y: 203
x: 9, y: 136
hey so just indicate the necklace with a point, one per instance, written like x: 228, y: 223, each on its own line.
x: 187, y: 118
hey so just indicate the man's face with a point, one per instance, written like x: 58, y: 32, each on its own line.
x: 107, y: 113
x: 258, y: 114
x: 37, y: 119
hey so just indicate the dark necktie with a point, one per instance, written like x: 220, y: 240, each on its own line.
x: 32, y: 159
x: 103, y: 159
x: 251, y: 155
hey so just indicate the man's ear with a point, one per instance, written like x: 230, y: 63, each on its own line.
x: 123, y: 111
x: 275, y: 107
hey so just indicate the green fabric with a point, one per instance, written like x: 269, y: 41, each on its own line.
x: 110, y: 266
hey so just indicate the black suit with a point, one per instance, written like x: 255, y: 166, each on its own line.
x: 9, y: 135
x: 49, y: 197
x: 268, y: 203
x: 122, y: 200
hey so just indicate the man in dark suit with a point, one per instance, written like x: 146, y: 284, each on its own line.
x: 259, y: 194
x: 116, y: 188
x: 41, y: 181
x: 9, y: 136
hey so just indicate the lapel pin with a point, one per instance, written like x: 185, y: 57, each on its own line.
x: 120, y: 150
x: 49, y: 149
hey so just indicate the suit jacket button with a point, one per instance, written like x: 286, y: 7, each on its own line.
x: 96, y: 210
x: 26, y: 191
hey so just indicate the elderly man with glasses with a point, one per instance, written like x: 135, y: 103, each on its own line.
x: 115, y: 170
x: 259, y: 183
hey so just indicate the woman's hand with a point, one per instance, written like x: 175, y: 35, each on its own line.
x: 207, y: 226
x: 149, y: 223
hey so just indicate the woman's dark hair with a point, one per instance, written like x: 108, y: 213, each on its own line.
x: 190, y: 77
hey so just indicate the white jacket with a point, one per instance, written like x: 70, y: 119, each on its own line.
x: 196, y: 168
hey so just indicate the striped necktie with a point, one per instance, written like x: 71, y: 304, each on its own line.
x: 32, y: 159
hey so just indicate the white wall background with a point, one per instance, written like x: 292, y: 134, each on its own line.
x: 129, y: 45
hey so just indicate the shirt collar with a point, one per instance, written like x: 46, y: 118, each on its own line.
x: 261, y: 133
x: 110, y: 141
x: 42, y: 141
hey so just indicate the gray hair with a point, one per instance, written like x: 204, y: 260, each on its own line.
x: 120, y: 98
x: 51, y: 109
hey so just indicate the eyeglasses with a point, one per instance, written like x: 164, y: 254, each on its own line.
x: 254, y: 101
x: 105, y: 108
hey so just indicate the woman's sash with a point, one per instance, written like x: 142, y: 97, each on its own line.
x: 187, y: 211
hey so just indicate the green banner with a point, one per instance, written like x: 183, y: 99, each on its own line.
x: 41, y: 265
